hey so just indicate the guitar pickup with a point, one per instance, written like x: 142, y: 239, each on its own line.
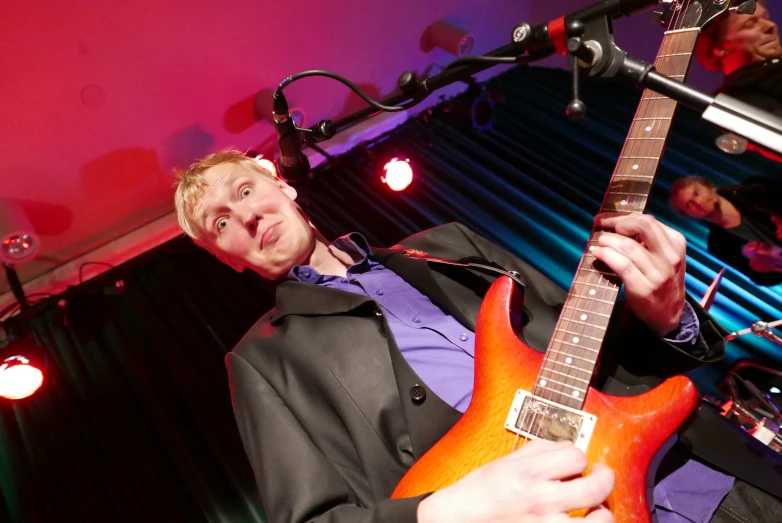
x: 534, y: 417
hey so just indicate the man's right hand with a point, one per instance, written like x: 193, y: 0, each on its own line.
x: 530, y: 485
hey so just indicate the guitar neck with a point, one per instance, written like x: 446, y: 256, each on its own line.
x: 574, y: 349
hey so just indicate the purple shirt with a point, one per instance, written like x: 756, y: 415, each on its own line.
x: 441, y: 351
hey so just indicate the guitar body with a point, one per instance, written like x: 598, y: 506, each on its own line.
x: 628, y: 433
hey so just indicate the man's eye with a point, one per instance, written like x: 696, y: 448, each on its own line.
x: 246, y: 192
x: 221, y: 224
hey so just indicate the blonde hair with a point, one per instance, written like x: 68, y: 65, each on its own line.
x: 190, y: 185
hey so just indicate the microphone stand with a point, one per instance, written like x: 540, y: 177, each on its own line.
x: 588, y: 40
x: 760, y: 329
x: 763, y: 414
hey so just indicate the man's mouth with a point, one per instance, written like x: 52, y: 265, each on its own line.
x: 267, y: 234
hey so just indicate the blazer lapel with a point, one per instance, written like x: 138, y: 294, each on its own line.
x: 306, y: 299
x: 419, y: 274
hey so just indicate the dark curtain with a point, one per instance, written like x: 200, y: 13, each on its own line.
x: 134, y: 420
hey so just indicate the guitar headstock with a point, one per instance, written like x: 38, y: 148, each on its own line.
x: 682, y: 14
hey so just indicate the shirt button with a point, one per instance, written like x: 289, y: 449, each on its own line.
x: 379, y: 292
x: 306, y: 272
x: 344, y: 280
x: 418, y: 394
x: 464, y: 337
x: 416, y: 319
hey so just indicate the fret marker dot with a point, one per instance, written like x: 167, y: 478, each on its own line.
x: 649, y: 128
x: 592, y: 292
x: 575, y: 339
x: 568, y: 360
x: 623, y: 202
x: 543, y: 383
x: 635, y: 167
x: 583, y: 317
x: 575, y: 393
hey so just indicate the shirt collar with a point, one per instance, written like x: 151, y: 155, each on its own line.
x: 353, y: 243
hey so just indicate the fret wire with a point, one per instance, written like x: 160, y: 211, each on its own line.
x: 630, y: 193
x: 586, y: 324
x: 594, y: 271
x: 578, y: 346
x: 591, y: 362
x: 569, y: 376
x: 551, y: 367
x: 549, y: 380
x: 641, y: 177
x: 678, y: 31
x: 573, y: 307
x: 563, y: 398
x: 570, y: 367
x: 579, y: 334
x: 590, y: 298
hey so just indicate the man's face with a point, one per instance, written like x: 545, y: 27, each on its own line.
x: 251, y: 221
x: 754, y: 37
x: 696, y: 201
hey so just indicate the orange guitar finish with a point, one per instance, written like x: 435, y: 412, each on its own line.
x: 628, y: 433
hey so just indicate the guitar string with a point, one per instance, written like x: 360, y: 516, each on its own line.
x: 636, y: 197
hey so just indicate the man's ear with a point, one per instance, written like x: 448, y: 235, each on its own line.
x: 289, y: 191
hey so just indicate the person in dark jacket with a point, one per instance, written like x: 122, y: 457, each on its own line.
x: 366, y: 361
x: 747, y: 50
x: 745, y: 222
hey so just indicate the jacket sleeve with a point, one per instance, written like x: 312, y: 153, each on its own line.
x: 632, y: 352
x: 297, y: 482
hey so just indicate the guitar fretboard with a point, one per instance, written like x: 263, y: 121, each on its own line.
x: 574, y: 349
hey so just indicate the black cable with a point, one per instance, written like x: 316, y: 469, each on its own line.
x: 490, y: 59
x: 81, y: 267
x: 356, y: 89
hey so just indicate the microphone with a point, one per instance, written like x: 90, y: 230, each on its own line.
x: 293, y: 165
x: 552, y: 36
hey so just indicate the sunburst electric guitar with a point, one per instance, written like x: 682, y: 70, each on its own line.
x: 522, y: 394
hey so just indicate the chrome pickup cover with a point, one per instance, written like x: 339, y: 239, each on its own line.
x: 534, y: 417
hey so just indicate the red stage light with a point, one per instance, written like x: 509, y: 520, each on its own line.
x: 18, y: 378
x: 268, y: 165
x: 398, y: 174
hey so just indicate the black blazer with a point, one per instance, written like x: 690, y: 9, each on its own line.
x: 323, y: 398
x: 757, y: 199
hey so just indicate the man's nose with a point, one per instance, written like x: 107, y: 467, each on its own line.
x: 251, y: 220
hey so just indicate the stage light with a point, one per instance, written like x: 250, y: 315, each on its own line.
x: 19, y: 377
x: 398, y: 174
x: 774, y: 390
x: 268, y: 165
x: 449, y: 38
x: 18, y: 241
x: 263, y: 162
